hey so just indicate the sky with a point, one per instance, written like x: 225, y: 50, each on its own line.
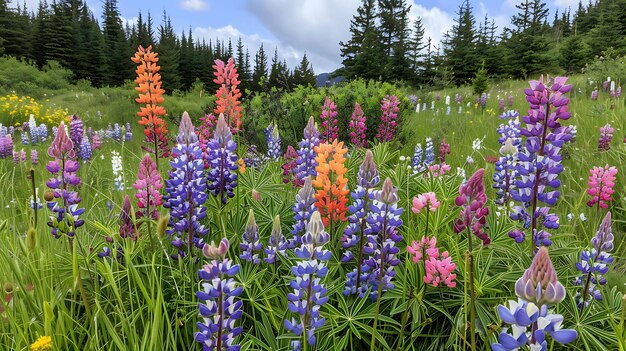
x: 298, y: 26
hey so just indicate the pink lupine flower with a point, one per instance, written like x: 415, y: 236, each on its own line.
x: 601, y: 183
x: 387, y: 128
x: 444, y: 149
x: 438, y: 170
x: 606, y: 134
x: 329, y: 129
x: 148, y: 185
x: 357, y: 127
x: 424, y: 249
x: 439, y: 271
x: 428, y: 200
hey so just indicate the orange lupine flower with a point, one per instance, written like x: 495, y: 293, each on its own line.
x: 331, y: 183
x: 228, y: 94
x: 151, y: 97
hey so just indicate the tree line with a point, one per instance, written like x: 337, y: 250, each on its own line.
x: 386, y: 44
x: 67, y: 32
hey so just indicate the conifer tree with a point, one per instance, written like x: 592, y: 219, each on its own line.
x: 460, y: 45
x: 119, y: 67
x: 259, y: 76
x: 168, y: 50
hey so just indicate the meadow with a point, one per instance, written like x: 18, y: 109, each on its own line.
x: 117, y: 282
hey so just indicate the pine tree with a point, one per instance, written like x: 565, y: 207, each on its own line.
x: 394, y: 34
x: 303, y: 73
x: 574, y: 54
x: 460, y: 46
x: 169, y: 52
x: 362, y: 54
x: 117, y: 47
x: 14, y: 30
x: 41, y: 31
x: 416, y: 46
x: 259, y: 75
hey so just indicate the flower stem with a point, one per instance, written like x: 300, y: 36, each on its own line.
x: 470, y: 262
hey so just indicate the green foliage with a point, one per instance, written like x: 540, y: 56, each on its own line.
x: 480, y: 83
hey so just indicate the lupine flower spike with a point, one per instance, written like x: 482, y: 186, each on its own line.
x: 219, y: 307
x: 302, y: 211
x: 277, y: 244
x: 222, y: 178
x: 306, y: 162
x: 357, y: 127
x: 329, y: 129
x: 601, y: 183
x: 227, y: 96
x: 388, y: 122
x: 289, y: 167
x: 148, y: 186
x: 606, y: 135
x: 250, y: 243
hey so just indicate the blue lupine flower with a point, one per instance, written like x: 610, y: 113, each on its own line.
x: 540, y: 162
x: 219, y: 307
x: 33, y: 130
x: 250, y: 242
x: 128, y: 133
x: 306, y: 161
x: 42, y: 132
x: 25, y: 139
x: 116, y: 134
x: 417, y: 161
x: 357, y: 230
x: 277, y: 244
x: 505, y: 168
x: 85, y: 151
x: 273, y: 142
x: 302, y: 211
x: 186, y: 192
x: 252, y: 158
x: 429, y: 157
x: 382, y: 236
x: 221, y: 156
x: 594, y: 264
x: 309, y: 294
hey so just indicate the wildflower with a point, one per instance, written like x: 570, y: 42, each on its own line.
x: 302, y: 210
x: 227, y: 96
x: 42, y: 343
x: 477, y: 144
x: 594, y: 264
x: 250, y: 242
x: 331, y: 182
x: 439, y: 270
x: 185, y: 192
x: 601, y: 183
x: 423, y: 249
x: 329, y: 129
x: 242, y: 165
x: 438, y: 170
x: 357, y: 127
x: 387, y: 128
x: 594, y: 95
x: 309, y: 294
x: 582, y: 217
x: 606, y: 134
x: 429, y: 156
x: 118, y: 170
x: 444, y: 149
x: 472, y: 199
x: 219, y: 307
x: 417, y: 161
x: 306, y: 162
x: 77, y: 130
x: 6, y: 146
x: 277, y: 244
x: 501, y: 101
x: 96, y: 142
x: 148, y: 184
x: 510, y: 100
x: 85, y: 151
x: 128, y: 132
x: 540, y: 284
x: 425, y: 200
x: 252, y: 158
x: 222, y: 178
x: 273, y: 141
x: 355, y: 234
x: 127, y: 228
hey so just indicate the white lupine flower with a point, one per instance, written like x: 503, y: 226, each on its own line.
x: 582, y: 217
x: 118, y: 170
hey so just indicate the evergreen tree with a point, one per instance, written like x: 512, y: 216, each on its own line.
x: 119, y: 66
x: 259, y: 76
x: 362, y: 54
x: 574, y: 54
x: 14, y: 30
x: 303, y: 73
x: 416, y: 46
x: 41, y: 30
x: 169, y: 52
x: 460, y: 46
x: 240, y: 61
x: 394, y: 33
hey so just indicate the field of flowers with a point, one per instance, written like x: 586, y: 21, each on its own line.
x: 459, y: 223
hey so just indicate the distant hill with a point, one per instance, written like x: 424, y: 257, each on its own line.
x: 323, y: 79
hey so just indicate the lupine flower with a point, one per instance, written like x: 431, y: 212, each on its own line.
x: 417, y: 161
x: 382, y: 239
x: 540, y: 162
x: 482, y: 101
x: 128, y: 133
x: 606, y: 134
x: 219, y: 306
x: 438, y: 170
x: 205, y: 132
x: 63, y: 201
x: 117, y: 132
x: 185, y: 192
x: 96, y: 142
x: 331, y: 182
x: 302, y: 211
x: 424, y: 249
x: 329, y: 129
x: 429, y: 157
x: 357, y: 126
x: 250, y: 243
x: 277, y: 244
x: 425, y: 200
x: 594, y: 95
x: 272, y: 137
x: 222, y: 178
x: 252, y: 158
x: 438, y: 97
x: 227, y: 96
x: 34, y: 157
x: 413, y: 98
x: 6, y: 146
x: 601, y: 183
x: 510, y: 100
x: 505, y: 172
x: 33, y: 130
x: 127, y: 227
x: 118, y: 170
x: 439, y: 270
x: 289, y: 167
x: 77, y: 130
x: 355, y: 234
x: 501, y: 104
x: 537, y: 290
x: 84, y: 151
x: 387, y: 128
x: 618, y: 92
x: 472, y: 200
x: 444, y: 149
x: 25, y: 139
x: 594, y: 264
x: 151, y: 97
x: 309, y: 294
x: 148, y: 184
x: 612, y: 89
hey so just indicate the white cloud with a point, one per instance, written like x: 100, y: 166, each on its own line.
x: 129, y: 21
x: 194, y: 5
x: 436, y: 22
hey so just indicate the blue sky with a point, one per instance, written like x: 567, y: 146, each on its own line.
x: 298, y: 26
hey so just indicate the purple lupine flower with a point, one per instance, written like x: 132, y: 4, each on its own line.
x: 309, y: 294
x: 417, y: 161
x: 482, y: 100
x: 16, y: 157
x: 219, y: 307
x: 221, y: 156
x: 429, y: 153
x: 505, y: 171
x: 501, y: 101
x: 63, y: 201
x: 43, y: 132
x: 413, y: 98
x: 109, y: 132
x: 605, y: 84
x: 472, y: 200
x: 272, y: 137
x: 444, y: 149
x: 387, y: 128
x: 185, y: 192
x: 328, y: 129
x: 510, y: 100
x: 128, y: 133
x: 252, y: 158
x: 127, y: 227
x: 382, y: 238
x: 34, y: 157
x: 77, y: 130
x: 606, y: 135
x: 289, y: 167
x: 594, y: 264
x: 618, y: 92
x: 117, y: 132
x: 357, y: 126
x: 6, y: 146
x: 303, y: 208
x: 594, y: 95
x: 24, y: 137
x: 250, y: 243
x: 540, y: 162
x: 540, y: 284
x: 458, y: 98
x: 306, y: 160
x: 84, y: 151
x: 277, y: 244
x: 438, y: 97
x: 148, y: 184
x: 356, y: 232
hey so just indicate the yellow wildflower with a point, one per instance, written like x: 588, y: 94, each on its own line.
x: 42, y: 344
